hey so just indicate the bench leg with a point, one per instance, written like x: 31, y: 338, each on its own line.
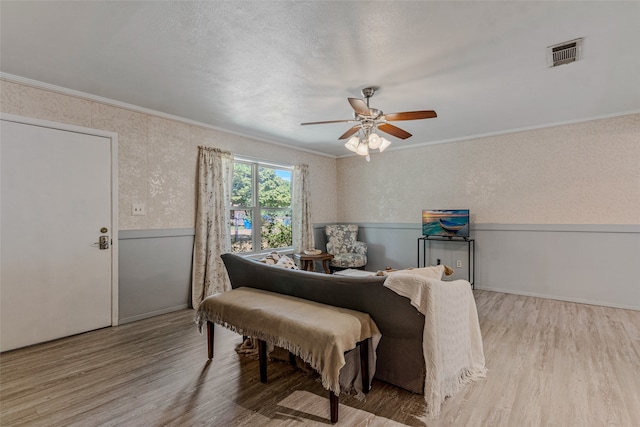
x: 364, y: 364
x: 262, y: 356
x: 210, y: 339
x: 333, y: 404
x: 292, y: 360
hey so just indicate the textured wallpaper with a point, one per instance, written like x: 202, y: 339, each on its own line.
x: 157, y: 157
x: 584, y: 173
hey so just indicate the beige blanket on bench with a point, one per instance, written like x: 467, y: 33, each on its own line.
x: 320, y: 334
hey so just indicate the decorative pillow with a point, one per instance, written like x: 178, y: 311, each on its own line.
x: 286, y: 262
x: 271, y: 259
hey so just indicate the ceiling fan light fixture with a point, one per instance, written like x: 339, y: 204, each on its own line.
x: 384, y: 144
x: 370, y: 121
x: 374, y: 141
x: 362, y: 149
x: 352, y: 143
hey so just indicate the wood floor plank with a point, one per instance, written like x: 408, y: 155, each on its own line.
x: 551, y: 363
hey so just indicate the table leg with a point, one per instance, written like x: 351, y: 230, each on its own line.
x: 210, y: 339
x: 262, y: 356
x: 364, y: 364
x: 325, y: 265
x: 333, y: 405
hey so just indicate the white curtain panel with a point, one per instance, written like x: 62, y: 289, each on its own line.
x: 212, y: 239
x: 302, y: 226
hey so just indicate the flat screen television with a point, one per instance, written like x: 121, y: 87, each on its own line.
x: 445, y: 222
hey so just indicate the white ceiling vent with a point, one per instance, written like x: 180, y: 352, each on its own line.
x: 564, y: 53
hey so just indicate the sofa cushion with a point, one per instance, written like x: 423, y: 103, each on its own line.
x: 349, y: 260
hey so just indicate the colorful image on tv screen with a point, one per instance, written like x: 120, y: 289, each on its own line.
x: 445, y: 222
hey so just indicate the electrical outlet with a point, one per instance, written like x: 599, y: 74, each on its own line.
x: 138, y: 209
x: 458, y: 264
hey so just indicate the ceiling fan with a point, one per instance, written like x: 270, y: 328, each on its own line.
x: 369, y: 119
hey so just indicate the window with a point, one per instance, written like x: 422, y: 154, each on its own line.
x: 260, y: 207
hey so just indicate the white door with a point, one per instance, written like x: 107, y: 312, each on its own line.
x: 55, y: 281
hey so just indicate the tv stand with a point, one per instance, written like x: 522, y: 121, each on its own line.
x: 471, y: 253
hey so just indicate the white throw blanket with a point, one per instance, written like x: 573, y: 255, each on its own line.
x: 451, y: 341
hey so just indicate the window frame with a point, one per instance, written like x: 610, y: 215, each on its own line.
x: 256, y: 208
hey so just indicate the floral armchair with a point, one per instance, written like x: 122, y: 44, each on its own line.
x: 346, y: 250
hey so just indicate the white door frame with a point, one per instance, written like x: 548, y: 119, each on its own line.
x: 113, y: 137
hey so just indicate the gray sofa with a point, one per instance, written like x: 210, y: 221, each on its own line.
x: 399, y: 355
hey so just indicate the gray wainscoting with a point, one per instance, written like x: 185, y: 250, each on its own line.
x: 594, y: 264
x: 154, y: 272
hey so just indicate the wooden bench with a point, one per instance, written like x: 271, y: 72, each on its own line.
x: 319, y: 334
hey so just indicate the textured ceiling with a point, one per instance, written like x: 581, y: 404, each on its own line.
x: 261, y: 68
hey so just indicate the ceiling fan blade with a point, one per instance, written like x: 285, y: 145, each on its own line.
x: 329, y: 121
x: 394, y: 130
x: 350, y: 132
x: 359, y: 106
x: 411, y: 115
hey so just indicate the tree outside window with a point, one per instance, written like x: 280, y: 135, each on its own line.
x: 260, y: 207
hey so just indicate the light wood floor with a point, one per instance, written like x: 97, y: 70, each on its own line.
x: 550, y: 363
